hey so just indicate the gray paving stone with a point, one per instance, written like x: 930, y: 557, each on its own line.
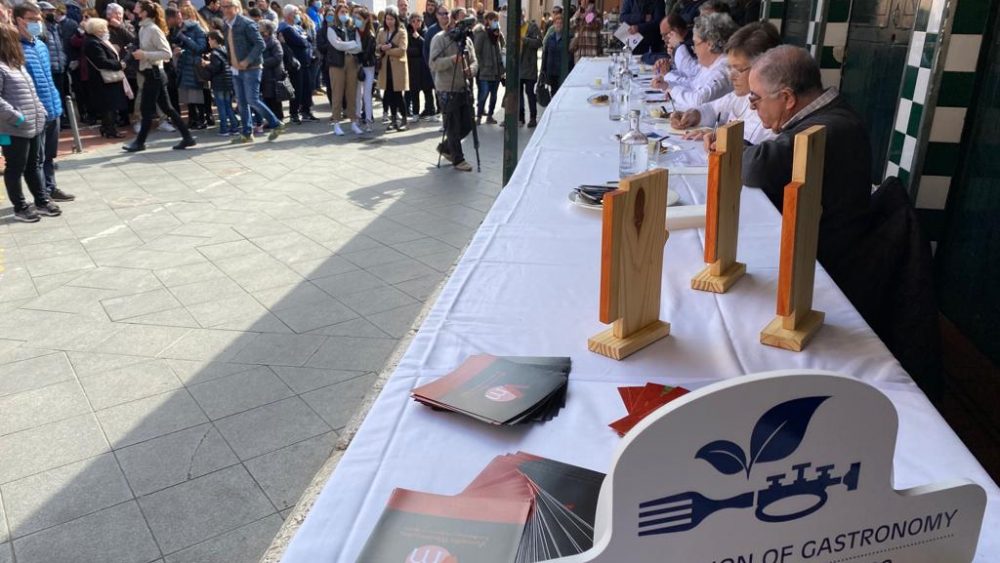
x: 302, y: 380
x: 63, y: 494
x: 421, y: 288
x: 401, y: 271
x: 117, y: 534
x: 239, y: 392
x: 129, y: 383
x: 357, y: 354
x: 118, y: 279
x: 374, y: 257
x: 350, y: 282
x: 371, y: 301
x: 119, y: 308
x: 271, y: 427
x: 17, y: 284
x: 144, y: 340
x: 44, y: 447
x: 213, y: 313
x: 422, y: 247
x: 228, y: 249
x: 6, y: 555
x: 179, y: 317
x: 192, y: 371
x: 215, y: 345
x: 40, y: 406
x: 4, y: 535
x: 280, y: 349
x: 291, y: 296
x: 137, y: 421
x: 285, y: 473
x: 206, y: 290
x: 32, y: 373
x: 79, y: 260
x: 255, y: 272
x: 68, y: 299
x: 338, y: 403
x: 359, y: 327
x: 310, y: 317
x: 191, y: 273
x: 174, y: 458
x: 397, y: 322
x: 212, y: 504
x: 244, y: 544
x: 322, y: 267
x: 91, y: 363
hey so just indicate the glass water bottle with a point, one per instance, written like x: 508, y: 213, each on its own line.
x: 618, y: 100
x: 633, y: 149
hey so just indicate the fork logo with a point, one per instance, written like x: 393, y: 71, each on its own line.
x: 777, y: 434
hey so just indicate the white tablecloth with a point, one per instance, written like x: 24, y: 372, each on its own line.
x: 528, y: 285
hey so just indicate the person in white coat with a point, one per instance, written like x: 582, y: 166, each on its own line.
x: 750, y: 42
x: 711, y: 33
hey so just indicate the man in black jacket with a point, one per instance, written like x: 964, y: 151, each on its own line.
x: 787, y: 93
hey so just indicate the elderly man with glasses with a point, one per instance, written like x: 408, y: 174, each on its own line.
x: 788, y: 96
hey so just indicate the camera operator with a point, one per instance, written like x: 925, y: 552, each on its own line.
x: 453, y: 61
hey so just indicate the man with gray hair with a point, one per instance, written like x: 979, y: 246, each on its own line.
x: 788, y: 95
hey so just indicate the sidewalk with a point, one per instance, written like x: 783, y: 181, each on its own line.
x: 180, y: 349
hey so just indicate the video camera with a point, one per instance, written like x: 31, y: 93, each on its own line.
x: 462, y: 30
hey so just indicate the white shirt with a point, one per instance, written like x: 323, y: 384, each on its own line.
x: 686, y: 66
x: 731, y: 108
x: 711, y: 83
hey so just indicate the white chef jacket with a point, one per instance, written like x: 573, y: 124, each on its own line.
x: 711, y: 83
x: 731, y: 108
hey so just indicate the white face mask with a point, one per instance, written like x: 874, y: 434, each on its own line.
x: 106, y: 37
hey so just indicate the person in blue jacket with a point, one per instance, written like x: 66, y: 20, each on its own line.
x: 189, y: 40
x: 296, y: 40
x: 643, y: 17
x: 28, y: 18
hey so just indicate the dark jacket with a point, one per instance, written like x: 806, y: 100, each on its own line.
x: 272, y: 59
x: 335, y: 57
x: 646, y: 14
x: 218, y: 71
x: 416, y: 65
x: 367, y: 57
x: 193, y: 41
x: 552, y: 59
x: 103, y: 97
x: 429, y: 33
x: 488, y: 46
x: 297, y: 42
x: 529, y: 52
x: 247, y: 41
x: 846, y: 175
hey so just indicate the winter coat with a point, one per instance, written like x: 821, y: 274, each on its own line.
x: 488, y: 54
x: 419, y: 72
x: 395, y: 59
x: 218, y: 71
x: 297, y: 42
x: 103, y: 97
x: 552, y: 58
x: 367, y: 56
x: 341, y: 42
x: 530, y: 43
x: 191, y: 38
x: 273, y: 68
x: 21, y: 111
x: 36, y: 60
x: 247, y: 43
x: 57, y: 52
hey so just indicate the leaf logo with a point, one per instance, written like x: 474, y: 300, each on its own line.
x: 776, y: 436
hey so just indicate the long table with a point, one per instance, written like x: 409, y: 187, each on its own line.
x: 528, y: 285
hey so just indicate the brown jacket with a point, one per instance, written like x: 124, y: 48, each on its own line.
x: 396, y: 57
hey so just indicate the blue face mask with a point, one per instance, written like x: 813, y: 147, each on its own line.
x: 330, y: 19
x: 495, y: 25
x: 359, y: 23
x: 298, y: 20
x: 344, y: 18
x: 35, y: 28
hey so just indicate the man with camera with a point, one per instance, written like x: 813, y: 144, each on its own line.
x: 453, y: 62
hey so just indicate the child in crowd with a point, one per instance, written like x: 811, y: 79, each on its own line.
x: 216, y: 70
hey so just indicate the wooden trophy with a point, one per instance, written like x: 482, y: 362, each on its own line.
x: 722, y: 212
x: 634, y: 233
x: 797, y: 322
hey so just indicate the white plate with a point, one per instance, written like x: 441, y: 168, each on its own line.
x: 672, y: 199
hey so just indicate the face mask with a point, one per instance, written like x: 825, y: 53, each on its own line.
x: 35, y: 28
x: 106, y: 37
x: 359, y: 23
x: 343, y: 18
x: 330, y: 19
x: 298, y: 20
x: 495, y: 26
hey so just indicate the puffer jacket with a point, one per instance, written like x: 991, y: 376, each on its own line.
x: 488, y: 53
x: 21, y: 111
x: 36, y: 60
x: 193, y: 42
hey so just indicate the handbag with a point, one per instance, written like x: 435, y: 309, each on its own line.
x: 361, y: 74
x: 108, y: 76
x: 284, y: 89
x: 543, y: 94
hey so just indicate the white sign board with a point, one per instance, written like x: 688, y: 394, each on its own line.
x: 776, y: 468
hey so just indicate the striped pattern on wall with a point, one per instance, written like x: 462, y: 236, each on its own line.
x: 924, y: 148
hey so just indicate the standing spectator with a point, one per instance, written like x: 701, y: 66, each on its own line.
x: 416, y: 66
x: 441, y: 20
x: 28, y: 18
x: 22, y: 118
x: 531, y: 41
x: 274, y: 75
x: 488, y: 41
x: 152, y: 52
x: 269, y: 12
x: 108, y: 98
x: 295, y: 39
x: 430, y: 18
x: 211, y: 12
x: 313, y: 12
x: 189, y: 41
x: 586, y: 40
x: 217, y: 70
x: 393, y: 78
x: 246, y: 47
x: 451, y: 75
x: 122, y: 36
x: 404, y: 10
x: 552, y: 55
x: 57, y: 51
x: 366, y: 60
x: 344, y: 44
x: 643, y: 17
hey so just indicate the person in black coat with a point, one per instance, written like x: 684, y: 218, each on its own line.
x: 106, y: 98
x: 273, y: 70
x: 419, y: 71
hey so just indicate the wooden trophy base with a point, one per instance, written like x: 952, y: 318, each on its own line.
x: 607, y: 344
x: 705, y: 281
x: 775, y: 334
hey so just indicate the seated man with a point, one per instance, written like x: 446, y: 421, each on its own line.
x: 788, y: 95
x: 711, y: 33
x: 750, y: 42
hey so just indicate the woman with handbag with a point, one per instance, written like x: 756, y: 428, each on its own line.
x: 393, y: 78
x: 109, y: 91
x: 189, y: 39
x: 152, y: 52
x: 344, y: 44
x: 22, y: 121
x: 366, y: 60
x: 274, y: 84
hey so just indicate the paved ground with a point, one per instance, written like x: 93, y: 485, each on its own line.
x: 180, y: 348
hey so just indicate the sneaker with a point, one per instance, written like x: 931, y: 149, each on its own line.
x: 134, y: 147
x: 258, y: 130
x: 166, y: 126
x: 224, y: 133
x: 309, y: 117
x: 59, y: 195
x: 49, y: 210
x: 295, y: 119
x: 337, y: 130
x: 241, y: 140
x: 357, y: 130
x: 464, y: 166
x: 28, y: 215
x: 532, y: 124
x: 276, y: 131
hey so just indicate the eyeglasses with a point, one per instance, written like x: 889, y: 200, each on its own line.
x: 755, y: 98
x: 733, y: 71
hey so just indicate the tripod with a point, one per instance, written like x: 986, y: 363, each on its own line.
x: 466, y: 71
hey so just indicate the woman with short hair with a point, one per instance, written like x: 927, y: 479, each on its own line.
x: 107, y: 98
x: 711, y: 33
